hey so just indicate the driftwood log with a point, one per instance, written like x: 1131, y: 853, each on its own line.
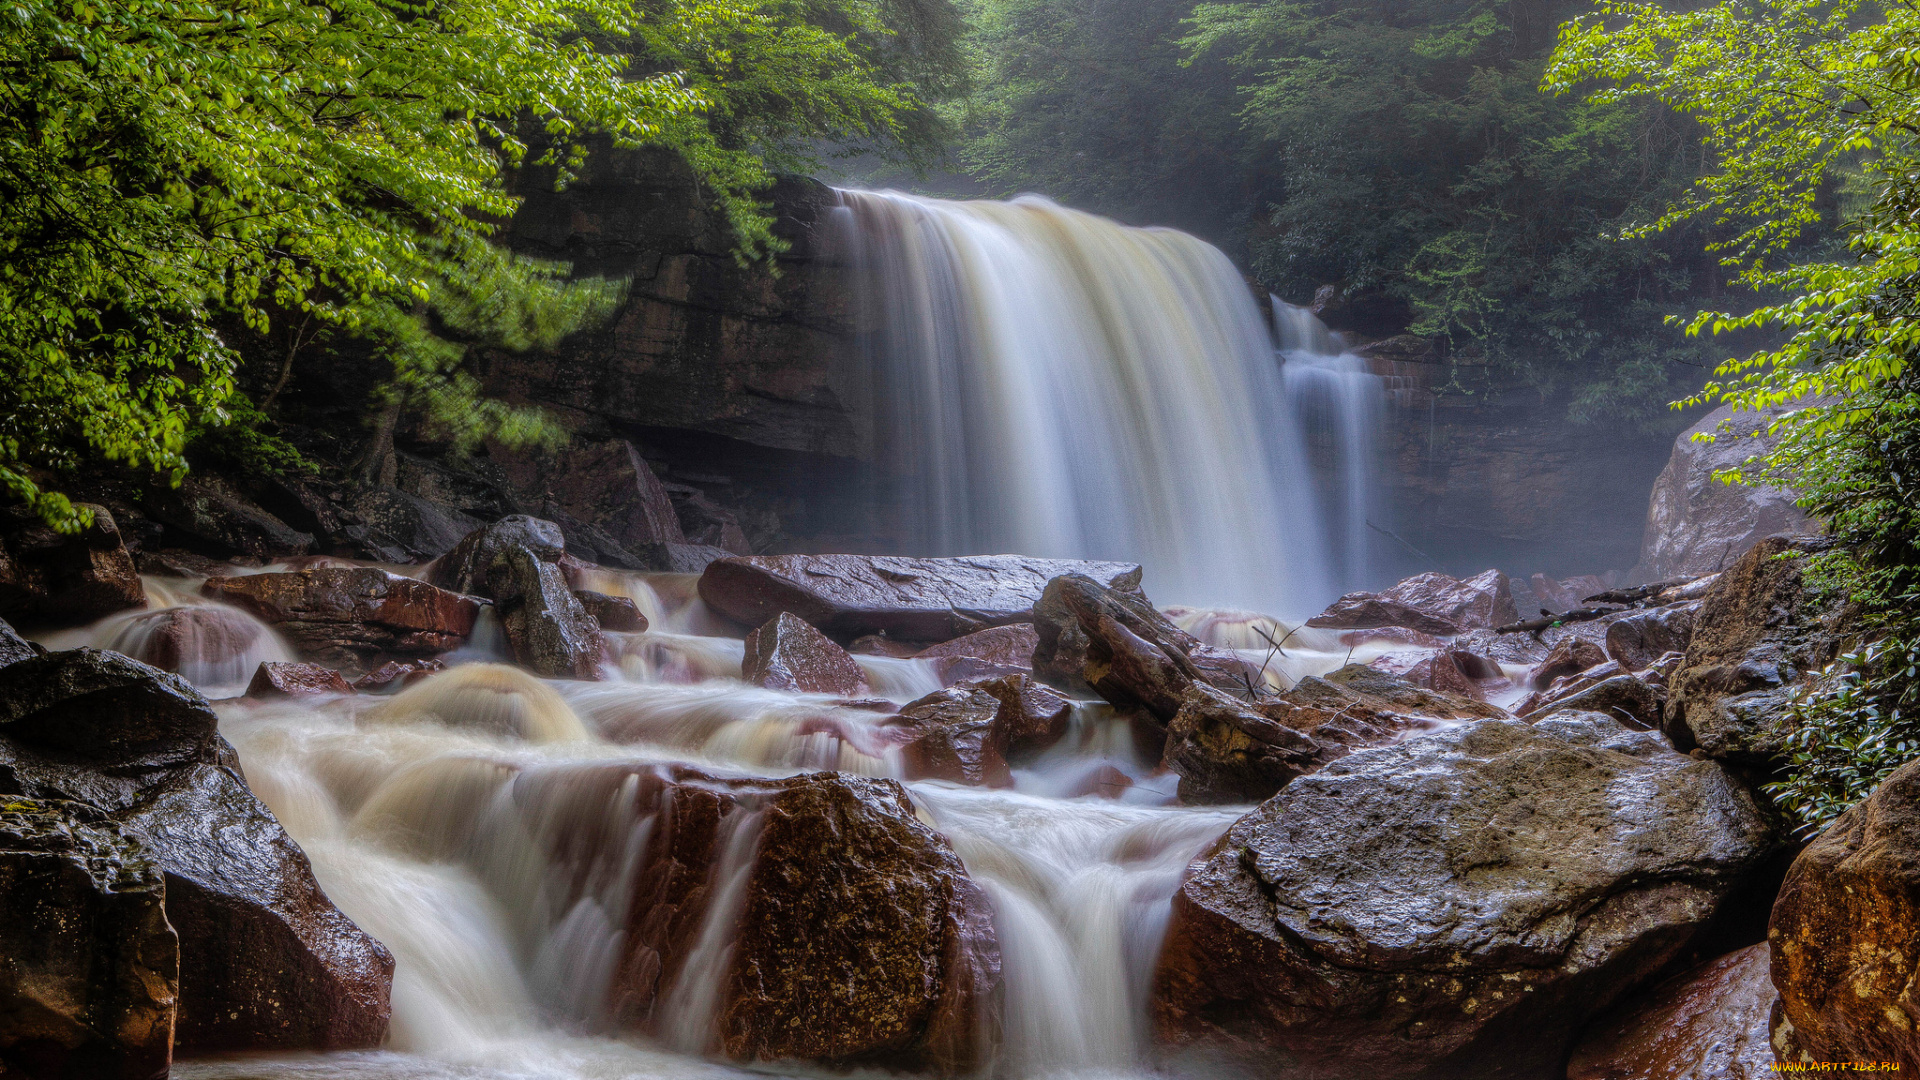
x: 1548, y: 620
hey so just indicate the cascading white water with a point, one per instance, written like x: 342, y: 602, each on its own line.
x: 1050, y: 382
x: 1339, y: 403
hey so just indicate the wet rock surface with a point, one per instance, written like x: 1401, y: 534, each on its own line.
x: 1845, y: 935
x: 857, y: 938
x: 1001, y: 650
x: 1227, y: 752
x: 1431, y: 603
x: 1114, y: 641
x: 1626, y: 698
x: 465, y: 568
x: 92, y: 970
x: 1639, y: 639
x: 907, y: 599
x: 1759, y: 632
x: 954, y: 737
x: 52, y: 579
x: 267, y: 962
x: 789, y: 654
x: 1569, y: 656
x: 201, y: 637
x: 550, y: 631
x: 1706, y: 1023
x: 881, y: 953
x: 1698, y: 525
x: 349, y: 617
x: 615, y: 613
x: 1451, y: 906
x: 281, y: 680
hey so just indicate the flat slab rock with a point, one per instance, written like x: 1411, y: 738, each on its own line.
x: 1452, y: 906
x: 904, y: 598
x: 340, y: 615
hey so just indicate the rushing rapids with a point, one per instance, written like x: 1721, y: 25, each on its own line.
x: 494, y: 831
x: 1050, y: 382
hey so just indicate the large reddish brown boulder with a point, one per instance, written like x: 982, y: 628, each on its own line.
x: 1431, y: 603
x: 1762, y: 631
x: 814, y: 917
x: 1706, y: 1023
x: 267, y: 961
x: 999, y: 650
x: 906, y: 599
x: 1845, y: 934
x: 281, y: 680
x: 1452, y: 906
x: 954, y: 737
x: 92, y: 970
x: 349, y: 617
x: 52, y: 579
x: 788, y: 654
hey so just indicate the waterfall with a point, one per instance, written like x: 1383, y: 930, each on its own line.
x: 1050, y: 382
x: 1339, y: 403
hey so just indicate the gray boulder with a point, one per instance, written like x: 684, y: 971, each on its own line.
x: 1696, y: 524
x: 1452, y: 906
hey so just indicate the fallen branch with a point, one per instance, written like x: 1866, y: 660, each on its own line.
x: 1548, y: 620
x: 1637, y: 593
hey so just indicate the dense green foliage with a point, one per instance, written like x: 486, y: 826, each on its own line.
x: 1399, y: 149
x: 170, y: 169
x: 1791, y: 95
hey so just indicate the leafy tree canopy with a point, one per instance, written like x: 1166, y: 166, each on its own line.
x: 1790, y: 97
x: 168, y: 166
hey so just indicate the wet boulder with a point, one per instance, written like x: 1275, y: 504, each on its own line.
x: 1761, y: 631
x: 1631, y: 700
x: 1360, y: 690
x: 181, y: 563
x: 789, y: 654
x: 1116, y: 642
x: 615, y: 613
x: 1706, y: 1023
x: 396, y: 675
x: 14, y: 648
x: 1845, y: 935
x: 999, y: 650
x: 1695, y: 523
x: 53, y: 579
x: 817, y: 915
x: 1451, y: 906
x: 92, y: 970
x: 907, y: 599
x: 465, y: 568
x: 1431, y: 603
x: 1031, y: 717
x: 267, y: 962
x: 1565, y: 594
x: 283, y: 680
x: 550, y: 631
x: 1639, y: 639
x: 211, y: 645
x: 352, y: 617
x: 863, y: 940
x: 953, y: 736
x: 1226, y: 752
x: 1363, y: 610
x: 1569, y: 656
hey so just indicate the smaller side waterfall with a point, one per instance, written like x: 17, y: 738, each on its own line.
x: 1338, y: 403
